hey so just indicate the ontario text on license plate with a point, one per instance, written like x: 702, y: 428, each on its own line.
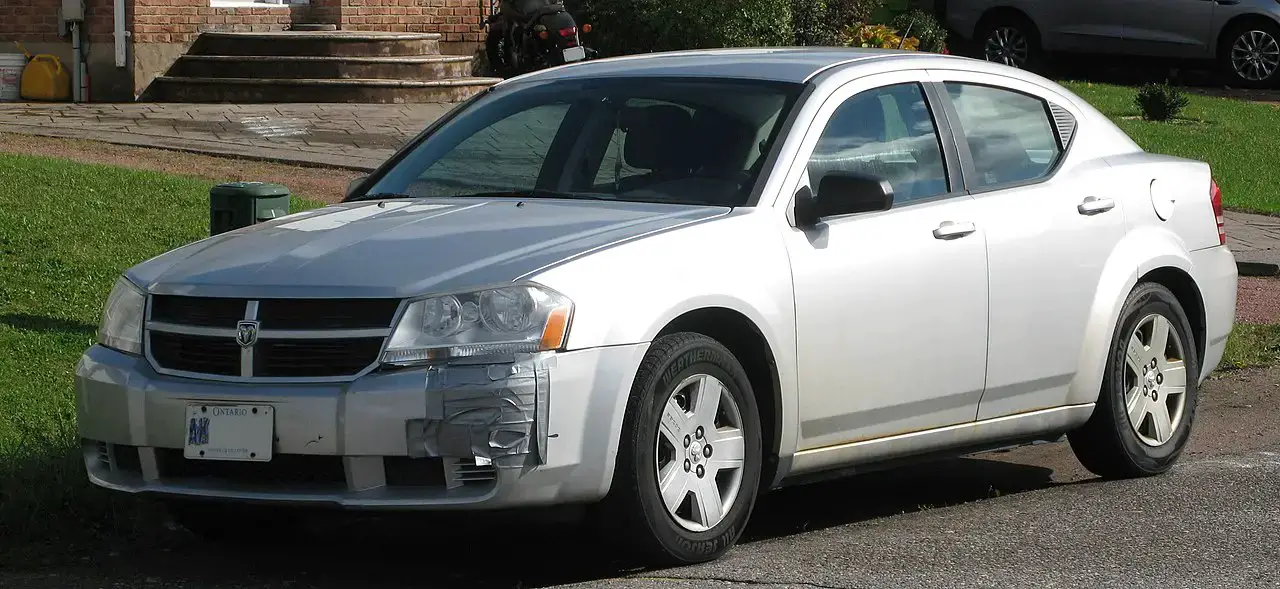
x: 229, y: 432
x: 574, y: 54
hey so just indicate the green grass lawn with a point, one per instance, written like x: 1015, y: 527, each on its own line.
x: 1240, y: 140
x: 67, y: 230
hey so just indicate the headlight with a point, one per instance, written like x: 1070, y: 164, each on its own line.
x: 507, y: 320
x: 121, y: 326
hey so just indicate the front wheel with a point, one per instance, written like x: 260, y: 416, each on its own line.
x: 1250, y: 55
x: 688, y: 466
x: 1148, y: 398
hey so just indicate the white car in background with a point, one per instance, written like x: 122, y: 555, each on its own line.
x: 661, y: 285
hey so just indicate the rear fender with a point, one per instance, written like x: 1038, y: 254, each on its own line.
x: 1141, y: 251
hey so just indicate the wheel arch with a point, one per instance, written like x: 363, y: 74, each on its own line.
x: 1009, y: 12
x: 1238, y: 21
x: 1144, y: 255
x: 748, y: 343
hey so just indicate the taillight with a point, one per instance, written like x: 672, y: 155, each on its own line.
x: 1215, y: 197
x: 568, y: 32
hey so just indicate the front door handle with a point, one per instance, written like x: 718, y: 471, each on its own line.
x: 953, y: 230
x: 1094, y: 205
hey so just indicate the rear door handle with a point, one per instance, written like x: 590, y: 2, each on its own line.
x: 953, y: 230
x: 1094, y: 205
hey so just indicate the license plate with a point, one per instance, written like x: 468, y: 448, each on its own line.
x: 574, y: 54
x: 229, y: 432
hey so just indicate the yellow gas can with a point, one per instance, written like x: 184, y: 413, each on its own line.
x: 44, y: 78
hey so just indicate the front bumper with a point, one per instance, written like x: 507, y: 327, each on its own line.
x: 537, y: 430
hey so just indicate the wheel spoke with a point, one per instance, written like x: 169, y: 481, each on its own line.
x: 1160, y: 419
x: 1136, y: 405
x: 707, y: 506
x: 1136, y: 355
x: 1174, y: 374
x: 729, y: 450
x: 707, y: 402
x: 1159, y: 337
x: 673, y: 483
x: 674, y: 424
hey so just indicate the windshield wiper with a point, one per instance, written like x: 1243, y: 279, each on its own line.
x: 536, y: 193
x: 380, y: 196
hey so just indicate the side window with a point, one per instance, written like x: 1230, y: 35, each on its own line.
x: 1010, y: 134
x: 888, y: 133
x: 517, y: 145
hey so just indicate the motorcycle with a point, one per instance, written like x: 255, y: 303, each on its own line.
x: 528, y: 35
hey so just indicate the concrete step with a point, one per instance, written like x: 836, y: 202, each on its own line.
x: 317, y: 43
x: 414, y: 67
x: 274, y: 90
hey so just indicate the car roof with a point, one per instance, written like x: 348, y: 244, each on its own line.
x: 779, y: 64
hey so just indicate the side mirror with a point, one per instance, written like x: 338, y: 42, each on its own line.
x: 354, y: 185
x: 842, y: 193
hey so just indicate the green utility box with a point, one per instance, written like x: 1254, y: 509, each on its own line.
x: 240, y: 204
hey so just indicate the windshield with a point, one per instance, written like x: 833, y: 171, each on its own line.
x: 693, y: 141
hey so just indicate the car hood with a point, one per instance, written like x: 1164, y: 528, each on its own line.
x: 399, y: 248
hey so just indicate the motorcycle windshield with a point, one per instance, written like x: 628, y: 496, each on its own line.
x: 678, y: 140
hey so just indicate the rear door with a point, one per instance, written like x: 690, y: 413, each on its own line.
x: 1169, y: 28
x: 1051, y: 223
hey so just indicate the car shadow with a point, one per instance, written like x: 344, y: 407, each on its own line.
x: 469, y: 550
x: 42, y: 323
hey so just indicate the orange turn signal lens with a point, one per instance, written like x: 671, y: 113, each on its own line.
x: 543, y: 35
x: 553, y: 335
x: 586, y: 27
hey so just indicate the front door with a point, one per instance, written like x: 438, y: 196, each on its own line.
x: 1051, y: 221
x: 891, y: 307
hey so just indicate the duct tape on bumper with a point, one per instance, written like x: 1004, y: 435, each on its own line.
x: 496, y: 412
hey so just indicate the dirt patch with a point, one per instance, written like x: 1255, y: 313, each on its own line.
x: 321, y: 184
x: 1258, y: 300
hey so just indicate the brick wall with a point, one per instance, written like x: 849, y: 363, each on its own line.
x: 181, y: 21
x: 456, y: 20
x: 36, y: 21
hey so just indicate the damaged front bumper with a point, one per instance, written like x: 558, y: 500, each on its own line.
x: 534, y: 430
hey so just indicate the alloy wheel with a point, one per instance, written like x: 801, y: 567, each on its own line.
x: 1007, y: 45
x: 699, y: 453
x: 1255, y: 55
x: 1155, y: 381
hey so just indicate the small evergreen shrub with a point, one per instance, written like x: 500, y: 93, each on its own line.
x: 1160, y: 102
x: 924, y: 26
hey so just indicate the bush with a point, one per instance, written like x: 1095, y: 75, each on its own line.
x: 877, y: 37
x: 923, y: 26
x: 622, y: 27
x: 822, y: 22
x: 1160, y: 102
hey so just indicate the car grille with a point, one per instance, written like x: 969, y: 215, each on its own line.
x: 267, y: 338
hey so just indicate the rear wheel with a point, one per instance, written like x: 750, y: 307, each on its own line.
x: 1148, y: 399
x: 1250, y: 55
x: 689, y: 460
x: 1009, y: 39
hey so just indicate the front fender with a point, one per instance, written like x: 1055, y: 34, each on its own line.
x: 1140, y: 252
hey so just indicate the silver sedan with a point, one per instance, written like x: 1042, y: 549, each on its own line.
x: 659, y: 286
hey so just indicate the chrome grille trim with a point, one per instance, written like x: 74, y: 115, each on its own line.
x: 248, y: 360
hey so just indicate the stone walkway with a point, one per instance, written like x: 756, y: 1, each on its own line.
x: 352, y: 136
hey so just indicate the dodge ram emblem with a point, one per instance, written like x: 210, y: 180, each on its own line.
x: 246, y: 333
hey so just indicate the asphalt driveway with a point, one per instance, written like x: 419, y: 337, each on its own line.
x: 1025, y: 518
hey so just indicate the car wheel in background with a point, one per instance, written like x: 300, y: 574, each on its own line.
x: 1010, y: 39
x: 1149, y: 390
x: 688, y: 467
x: 1250, y: 54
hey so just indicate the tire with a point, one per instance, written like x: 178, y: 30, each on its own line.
x: 635, y: 512
x: 1265, y: 36
x: 1029, y: 58
x: 219, y: 522
x: 1109, y: 445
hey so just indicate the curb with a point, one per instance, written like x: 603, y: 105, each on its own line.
x: 1258, y: 269
x: 202, y: 147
